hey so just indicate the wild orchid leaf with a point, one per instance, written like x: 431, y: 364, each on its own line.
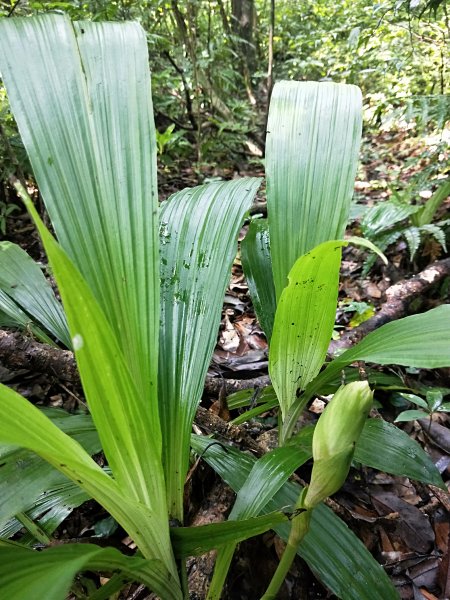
x: 23, y: 281
x: 192, y: 541
x: 199, y: 230
x: 130, y: 444
x: 255, y: 412
x: 11, y: 315
x: 24, y: 425
x: 48, y: 574
x: 419, y: 341
x: 313, y: 139
x: 387, y: 448
x: 332, y: 551
x: 80, y: 94
x: 250, y: 396
x: 266, y: 477
x: 47, y: 509
x: 304, y: 322
x: 257, y: 265
x: 27, y: 480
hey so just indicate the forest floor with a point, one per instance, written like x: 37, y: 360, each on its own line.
x: 405, y: 525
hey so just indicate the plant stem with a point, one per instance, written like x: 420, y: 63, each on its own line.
x: 181, y: 563
x: 300, y: 526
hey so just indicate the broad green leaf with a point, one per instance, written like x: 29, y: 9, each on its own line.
x: 255, y: 412
x: 257, y: 265
x: 250, y: 397
x: 415, y: 400
x: 199, y: 229
x: 23, y: 281
x: 48, y: 574
x: 31, y: 485
x: 192, y: 541
x: 11, y: 315
x: 338, y: 558
x: 419, y: 341
x: 387, y: 448
x: 264, y: 398
x: 359, y: 241
x: 410, y: 415
x: 266, y: 477
x: 312, y: 145
x: 22, y: 424
x: 47, y: 509
x: 80, y: 94
x: 304, y: 322
x: 129, y: 440
x: 27, y: 480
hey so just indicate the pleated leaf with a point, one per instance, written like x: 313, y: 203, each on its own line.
x: 312, y: 145
x: 81, y: 96
x: 23, y: 281
x: 25, y: 478
x: 11, y: 315
x: 384, y: 216
x: 199, y: 229
x: 420, y: 341
x: 304, y: 322
x: 192, y: 541
x: 387, y: 448
x: 266, y: 477
x: 333, y: 552
x: 48, y: 574
x: 257, y: 265
x: 24, y: 425
x: 47, y: 510
x: 129, y: 438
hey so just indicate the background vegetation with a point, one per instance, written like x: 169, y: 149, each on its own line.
x: 214, y: 63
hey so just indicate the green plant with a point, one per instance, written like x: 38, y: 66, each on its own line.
x: 387, y: 222
x: 91, y: 140
x: 170, y: 142
x: 143, y: 334
x: 5, y: 211
x: 309, y: 183
x: 432, y: 403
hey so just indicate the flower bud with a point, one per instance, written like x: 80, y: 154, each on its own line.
x: 335, y: 436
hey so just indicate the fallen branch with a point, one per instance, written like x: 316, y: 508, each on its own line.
x: 20, y: 352
x: 398, y: 299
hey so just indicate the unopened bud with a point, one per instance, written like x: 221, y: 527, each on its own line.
x: 335, y: 436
